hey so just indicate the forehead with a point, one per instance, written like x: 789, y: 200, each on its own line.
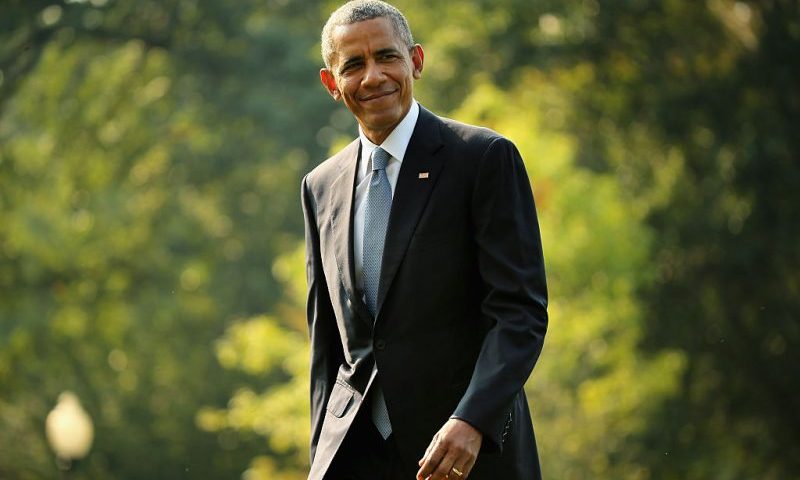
x: 362, y: 37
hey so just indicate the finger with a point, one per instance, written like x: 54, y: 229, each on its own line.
x: 444, y: 468
x: 458, y: 473
x: 427, y: 452
x: 434, y: 442
x: 428, y: 467
x: 463, y: 461
x: 459, y: 468
x: 431, y: 461
x: 469, y: 462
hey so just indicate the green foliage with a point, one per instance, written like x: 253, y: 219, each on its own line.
x: 260, y: 346
x: 265, y: 346
x: 705, y: 99
x: 150, y: 157
x: 138, y: 219
x: 591, y: 379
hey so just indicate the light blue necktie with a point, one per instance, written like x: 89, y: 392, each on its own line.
x: 376, y: 219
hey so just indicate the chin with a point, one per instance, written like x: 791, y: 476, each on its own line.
x: 384, y: 120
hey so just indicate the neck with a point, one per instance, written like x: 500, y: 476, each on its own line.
x: 378, y: 136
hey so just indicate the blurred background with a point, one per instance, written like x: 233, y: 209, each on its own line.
x: 151, y: 266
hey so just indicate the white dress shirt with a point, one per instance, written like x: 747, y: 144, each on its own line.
x: 395, y: 145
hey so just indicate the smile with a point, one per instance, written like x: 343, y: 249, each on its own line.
x: 376, y: 96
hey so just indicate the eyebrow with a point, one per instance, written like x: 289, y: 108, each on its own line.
x: 384, y: 51
x: 359, y: 58
x: 350, y: 61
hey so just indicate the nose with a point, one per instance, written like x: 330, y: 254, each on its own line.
x: 373, y: 74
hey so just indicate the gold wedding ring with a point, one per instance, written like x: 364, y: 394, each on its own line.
x: 457, y: 472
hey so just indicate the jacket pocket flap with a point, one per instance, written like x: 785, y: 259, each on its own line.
x: 340, y: 400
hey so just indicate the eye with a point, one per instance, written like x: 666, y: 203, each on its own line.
x: 349, y: 67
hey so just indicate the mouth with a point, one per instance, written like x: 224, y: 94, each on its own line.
x: 376, y: 96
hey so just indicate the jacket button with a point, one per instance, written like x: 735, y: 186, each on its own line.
x: 380, y: 344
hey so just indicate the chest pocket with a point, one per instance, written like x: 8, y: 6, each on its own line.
x: 340, y: 400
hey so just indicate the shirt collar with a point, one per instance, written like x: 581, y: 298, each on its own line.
x: 397, y: 141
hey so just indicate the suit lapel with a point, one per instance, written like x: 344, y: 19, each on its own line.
x: 342, y: 192
x: 411, y: 195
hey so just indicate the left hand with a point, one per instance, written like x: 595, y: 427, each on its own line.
x: 457, y: 445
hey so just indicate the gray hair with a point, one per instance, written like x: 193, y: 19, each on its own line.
x: 358, y: 11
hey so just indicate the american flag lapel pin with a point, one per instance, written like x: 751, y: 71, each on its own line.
x: 424, y: 174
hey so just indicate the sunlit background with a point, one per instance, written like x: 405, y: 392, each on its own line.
x: 151, y: 267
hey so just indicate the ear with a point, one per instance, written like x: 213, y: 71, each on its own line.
x: 329, y: 82
x: 418, y: 59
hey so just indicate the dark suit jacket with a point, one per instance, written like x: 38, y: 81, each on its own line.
x: 461, y: 305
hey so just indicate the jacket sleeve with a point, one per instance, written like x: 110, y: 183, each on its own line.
x: 326, y: 349
x: 511, y: 266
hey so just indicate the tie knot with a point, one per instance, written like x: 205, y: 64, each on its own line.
x: 380, y: 158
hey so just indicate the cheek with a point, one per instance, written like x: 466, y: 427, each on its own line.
x: 349, y: 90
x: 349, y: 99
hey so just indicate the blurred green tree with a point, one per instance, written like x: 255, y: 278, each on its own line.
x: 149, y: 158
x: 150, y: 154
x: 591, y: 379
x: 693, y: 110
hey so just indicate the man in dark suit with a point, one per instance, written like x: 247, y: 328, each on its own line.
x: 426, y: 286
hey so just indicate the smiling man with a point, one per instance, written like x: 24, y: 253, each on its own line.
x: 427, y: 303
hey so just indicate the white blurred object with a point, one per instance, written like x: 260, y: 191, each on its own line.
x: 69, y: 428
